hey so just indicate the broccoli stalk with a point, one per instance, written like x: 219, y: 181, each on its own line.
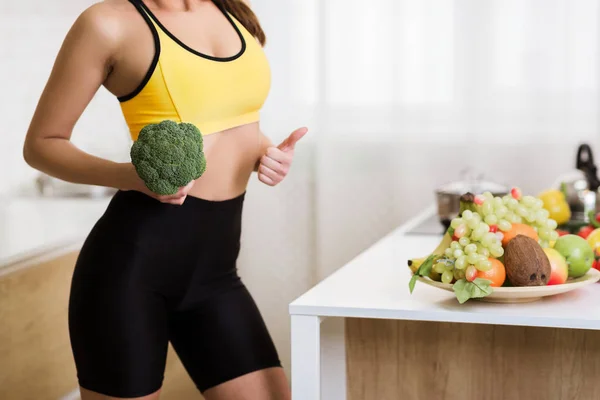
x: 168, y: 155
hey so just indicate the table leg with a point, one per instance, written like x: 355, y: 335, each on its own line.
x: 306, y: 357
x: 318, y: 358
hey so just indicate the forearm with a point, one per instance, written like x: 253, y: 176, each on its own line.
x: 60, y: 158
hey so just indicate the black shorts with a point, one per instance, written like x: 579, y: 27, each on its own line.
x: 150, y: 273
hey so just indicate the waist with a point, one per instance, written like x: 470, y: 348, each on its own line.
x: 143, y: 221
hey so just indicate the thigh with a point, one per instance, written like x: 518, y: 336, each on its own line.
x: 118, y: 327
x: 266, y: 384
x: 223, y: 338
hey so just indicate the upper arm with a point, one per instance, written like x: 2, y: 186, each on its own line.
x: 81, y: 66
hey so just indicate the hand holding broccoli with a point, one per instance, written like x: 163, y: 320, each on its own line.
x: 168, y: 156
x: 276, y: 163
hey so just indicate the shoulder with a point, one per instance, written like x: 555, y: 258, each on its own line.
x: 104, y: 21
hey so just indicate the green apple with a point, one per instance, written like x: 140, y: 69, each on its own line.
x: 578, y: 253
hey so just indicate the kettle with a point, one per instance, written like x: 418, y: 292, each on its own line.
x: 581, y: 187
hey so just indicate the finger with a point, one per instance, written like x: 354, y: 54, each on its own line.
x: 268, y: 172
x: 276, y: 166
x: 289, y: 143
x: 279, y: 155
x: 266, y: 180
x: 177, y: 202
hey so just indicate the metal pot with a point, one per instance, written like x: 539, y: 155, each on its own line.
x: 582, y: 186
x: 448, y: 196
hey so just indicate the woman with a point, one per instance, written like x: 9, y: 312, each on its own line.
x: 155, y: 268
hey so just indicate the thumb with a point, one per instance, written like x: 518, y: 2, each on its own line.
x: 289, y: 143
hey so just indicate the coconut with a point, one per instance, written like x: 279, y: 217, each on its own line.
x: 526, y: 263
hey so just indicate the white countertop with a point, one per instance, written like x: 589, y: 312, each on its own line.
x: 33, y: 226
x: 375, y: 285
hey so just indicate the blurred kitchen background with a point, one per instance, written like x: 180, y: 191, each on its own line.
x: 400, y: 96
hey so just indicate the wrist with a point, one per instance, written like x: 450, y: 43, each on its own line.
x: 127, y: 177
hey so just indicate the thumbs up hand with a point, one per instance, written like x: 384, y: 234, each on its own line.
x: 276, y: 163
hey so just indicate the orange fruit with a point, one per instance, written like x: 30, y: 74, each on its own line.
x: 496, y: 274
x: 519, y: 229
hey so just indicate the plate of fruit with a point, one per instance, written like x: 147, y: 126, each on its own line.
x: 505, y: 249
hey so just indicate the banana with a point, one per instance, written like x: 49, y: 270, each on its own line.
x: 415, y: 263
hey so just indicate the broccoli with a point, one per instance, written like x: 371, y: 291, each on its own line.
x: 168, y: 155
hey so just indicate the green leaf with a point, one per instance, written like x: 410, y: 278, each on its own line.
x: 423, y: 270
x: 465, y: 290
x: 413, y: 281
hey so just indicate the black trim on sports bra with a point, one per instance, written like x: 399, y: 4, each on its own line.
x: 186, y: 47
x: 152, y: 67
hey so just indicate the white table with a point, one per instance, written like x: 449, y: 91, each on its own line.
x: 375, y: 285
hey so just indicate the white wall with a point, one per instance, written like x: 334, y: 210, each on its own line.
x: 30, y: 35
x: 399, y: 97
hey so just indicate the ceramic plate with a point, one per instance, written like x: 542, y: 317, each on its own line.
x: 529, y: 293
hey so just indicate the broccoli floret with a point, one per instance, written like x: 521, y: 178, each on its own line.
x: 168, y: 155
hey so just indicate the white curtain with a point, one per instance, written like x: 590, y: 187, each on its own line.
x: 400, y: 96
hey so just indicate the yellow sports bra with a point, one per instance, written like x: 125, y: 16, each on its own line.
x: 184, y: 85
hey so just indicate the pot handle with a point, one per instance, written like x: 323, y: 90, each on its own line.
x: 585, y: 163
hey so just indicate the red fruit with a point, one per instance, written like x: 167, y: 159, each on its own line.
x: 516, y: 193
x: 596, y: 265
x: 561, y: 232
x: 597, y: 217
x: 493, y: 228
x: 455, y: 238
x: 585, y: 231
x: 471, y: 273
x: 479, y: 200
x: 559, y: 269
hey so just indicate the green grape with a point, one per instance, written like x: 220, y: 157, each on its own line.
x: 483, y: 264
x: 522, y: 211
x: 472, y: 224
x: 471, y: 248
x: 528, y: 201
x: 484, y: 252
x: 491, y: 219
x: 463, y: 241
x: 488, y: 195
x: 487, y: 208
x: 439, y: 267
x: 497, y: 202
x: 477, y: 217
x: 544, y: 243
x: 472, y: 258
x: 538, y: 204
x: 506, y: 199
x: 501, y: 212
x: 457, y: 253
x: 454, y: 245
x: 456, y: 274
x: 448, y: 252
x: 553, y: 235
x: 551, y: 224
x: 544, y: 233
x: 504, y: 225
x: 512, y: 204
x: 447, y: 277
x: 456, y: 222
x: 530, y: 217
x: 489, y: 239
x: 459, y: 274
x: 461, y: 262
x: 497, y: 251
x: 467, y: 215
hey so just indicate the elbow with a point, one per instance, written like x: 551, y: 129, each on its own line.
x: 30, y: 154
